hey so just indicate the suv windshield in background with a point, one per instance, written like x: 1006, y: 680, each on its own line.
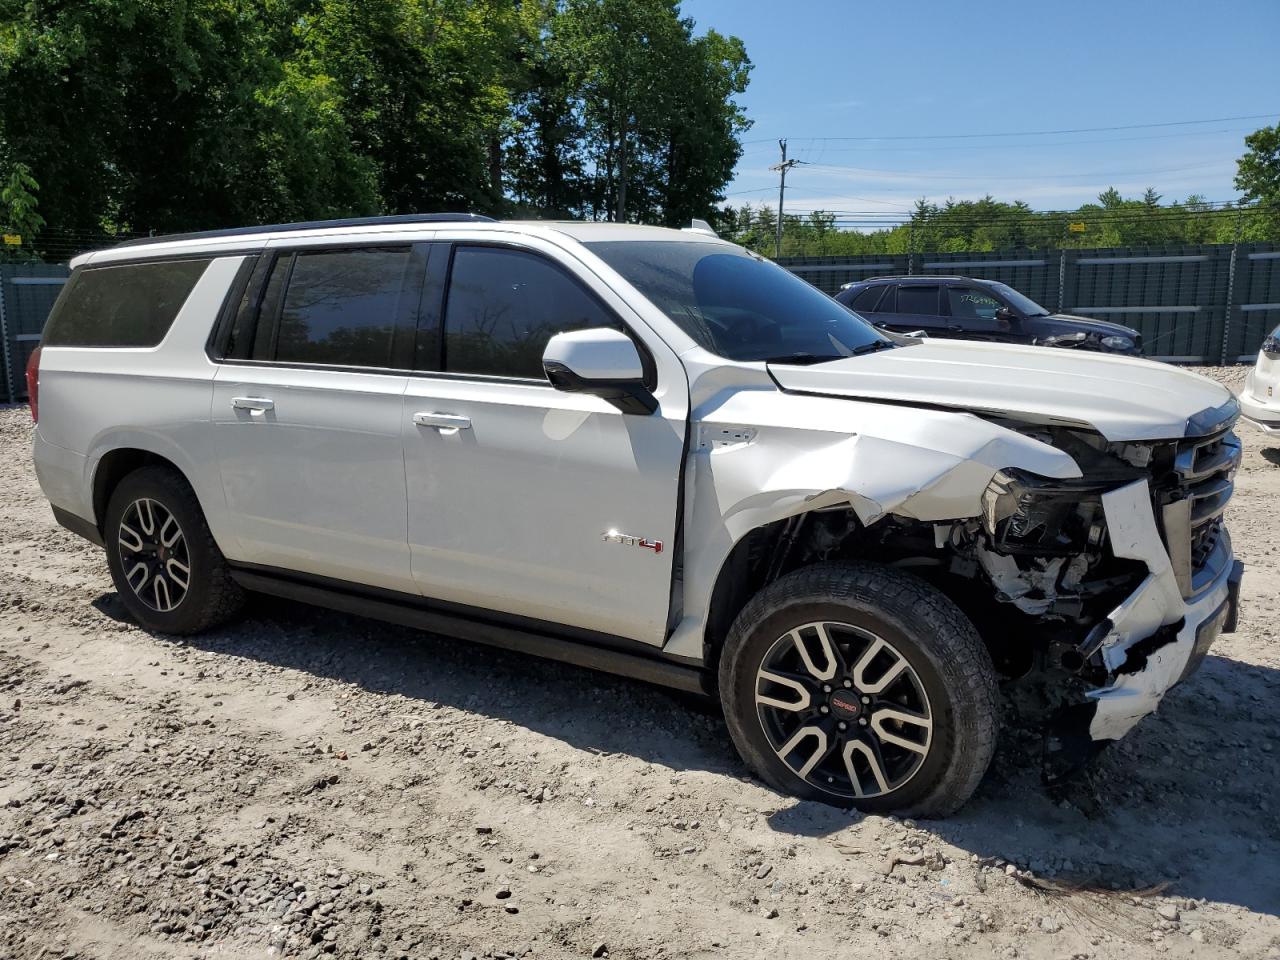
x: 1023, y: 305
x: 739, y: 306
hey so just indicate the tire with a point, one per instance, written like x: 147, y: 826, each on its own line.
x: 917, y: 736
x: 146, y: 557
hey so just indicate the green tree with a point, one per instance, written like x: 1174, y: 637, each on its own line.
x: 19, y: 214
x: 660, y: 127
x: 1258, y: 174
x: 145, y: 114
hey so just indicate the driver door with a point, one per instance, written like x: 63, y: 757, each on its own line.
x: 974, y: 310
x: 524, y: 501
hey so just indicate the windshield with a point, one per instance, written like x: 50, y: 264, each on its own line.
x: 1023, y: 305
x: 740, y: 306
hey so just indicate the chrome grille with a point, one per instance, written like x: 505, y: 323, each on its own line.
x: 1196, y: 499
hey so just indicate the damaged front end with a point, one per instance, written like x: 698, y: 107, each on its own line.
x: 1129, y: 569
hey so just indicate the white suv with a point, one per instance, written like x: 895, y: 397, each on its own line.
x: 651, y: 452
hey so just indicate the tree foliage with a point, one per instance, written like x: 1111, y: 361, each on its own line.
x: 990, y: 224
x: 159, y: 115
x: 1258, y: 173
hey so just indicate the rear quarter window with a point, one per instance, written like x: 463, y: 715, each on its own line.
x: 129, y: 305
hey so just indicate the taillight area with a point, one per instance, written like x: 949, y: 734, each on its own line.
x: 33, y: 384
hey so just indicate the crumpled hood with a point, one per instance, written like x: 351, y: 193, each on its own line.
x: 1123, y: 398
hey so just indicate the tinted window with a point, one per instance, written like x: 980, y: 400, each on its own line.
x: 738, y: 305
x: 865, y: 302
x: 972, y: 303
x: 132, y: 305
x: 504, y: 305
x: 918, y: 300
x: 339, y: 307
x: 1023, y: 305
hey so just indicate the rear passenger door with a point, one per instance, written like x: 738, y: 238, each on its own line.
x: 306, y: 411
x: 914, y: 306
x: 866, y: 302
x: 526, y: 502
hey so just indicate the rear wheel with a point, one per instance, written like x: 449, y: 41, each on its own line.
x: 861, y: 685
x: 165, y: 565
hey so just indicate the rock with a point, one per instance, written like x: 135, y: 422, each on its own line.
x: 483, y: 828
x: 764, y: 870
x: 1197, y: 935
x: 1050, y: 924
x: 769, y: 913
x: 1168, y: 911
x: 503, y: 892
x: 601, y: 949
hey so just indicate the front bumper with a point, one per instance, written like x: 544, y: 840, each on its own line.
x: 1157, y: 637
x: 1260, y: 399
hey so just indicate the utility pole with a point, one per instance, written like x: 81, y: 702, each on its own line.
x: 782, y: 169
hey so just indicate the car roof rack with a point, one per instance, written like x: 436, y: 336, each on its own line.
x: 405, y: 218
x: 926, y: 276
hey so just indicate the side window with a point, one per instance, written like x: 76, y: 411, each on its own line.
x: 866, y: 301
x: 504, y: 305
x: 922, y: 301
x: 131, y: 305
x: 972, y: 303
x: 335, y: 307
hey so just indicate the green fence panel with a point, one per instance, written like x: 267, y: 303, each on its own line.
x: 27, y: 292
x: 1193, y: 303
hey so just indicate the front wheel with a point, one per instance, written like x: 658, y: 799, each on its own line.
x: 860, y: 685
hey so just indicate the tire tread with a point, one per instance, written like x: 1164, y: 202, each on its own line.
x: 223, y: 597
x: 961, y: 657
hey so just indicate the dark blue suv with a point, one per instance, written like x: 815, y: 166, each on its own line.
x: 969, y: 309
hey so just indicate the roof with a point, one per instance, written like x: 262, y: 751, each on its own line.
x: 245, y: 239
x: 407, y: 218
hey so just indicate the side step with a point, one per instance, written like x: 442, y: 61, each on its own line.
x: 638, y: 667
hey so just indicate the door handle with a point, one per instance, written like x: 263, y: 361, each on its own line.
x: 444, y: 422
x: 253, y: 404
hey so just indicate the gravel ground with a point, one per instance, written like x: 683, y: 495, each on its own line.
x: 309, y: 784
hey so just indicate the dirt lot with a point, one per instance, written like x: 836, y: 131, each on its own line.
x: 308, y: 784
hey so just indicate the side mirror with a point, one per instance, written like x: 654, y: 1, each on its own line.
x: 599, y: 361
x: 1005, y: 316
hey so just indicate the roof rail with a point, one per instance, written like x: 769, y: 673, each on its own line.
x: 312, y: 225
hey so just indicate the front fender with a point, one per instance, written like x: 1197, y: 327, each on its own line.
x: 762, y: 456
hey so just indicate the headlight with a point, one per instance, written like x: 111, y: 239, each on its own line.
x: 1117, y: 343
x: 1026, y: 513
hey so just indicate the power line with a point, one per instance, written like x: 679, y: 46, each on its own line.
x: 1029, y: 146
x: 1033, y: 133
x: 1005, y: 176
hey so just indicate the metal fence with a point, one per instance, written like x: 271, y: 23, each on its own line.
x: 1209, y: 303
x: 27, y: 292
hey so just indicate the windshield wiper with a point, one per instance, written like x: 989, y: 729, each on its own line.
x: 801, y: 359
x: 871, y: 347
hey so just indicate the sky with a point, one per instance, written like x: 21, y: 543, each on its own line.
x: 939, y: 72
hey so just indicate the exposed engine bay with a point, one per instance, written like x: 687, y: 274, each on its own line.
x: 1102, y: 591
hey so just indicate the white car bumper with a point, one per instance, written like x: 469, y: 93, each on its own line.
x: 1260, y: 398
x: 1157, y: 637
